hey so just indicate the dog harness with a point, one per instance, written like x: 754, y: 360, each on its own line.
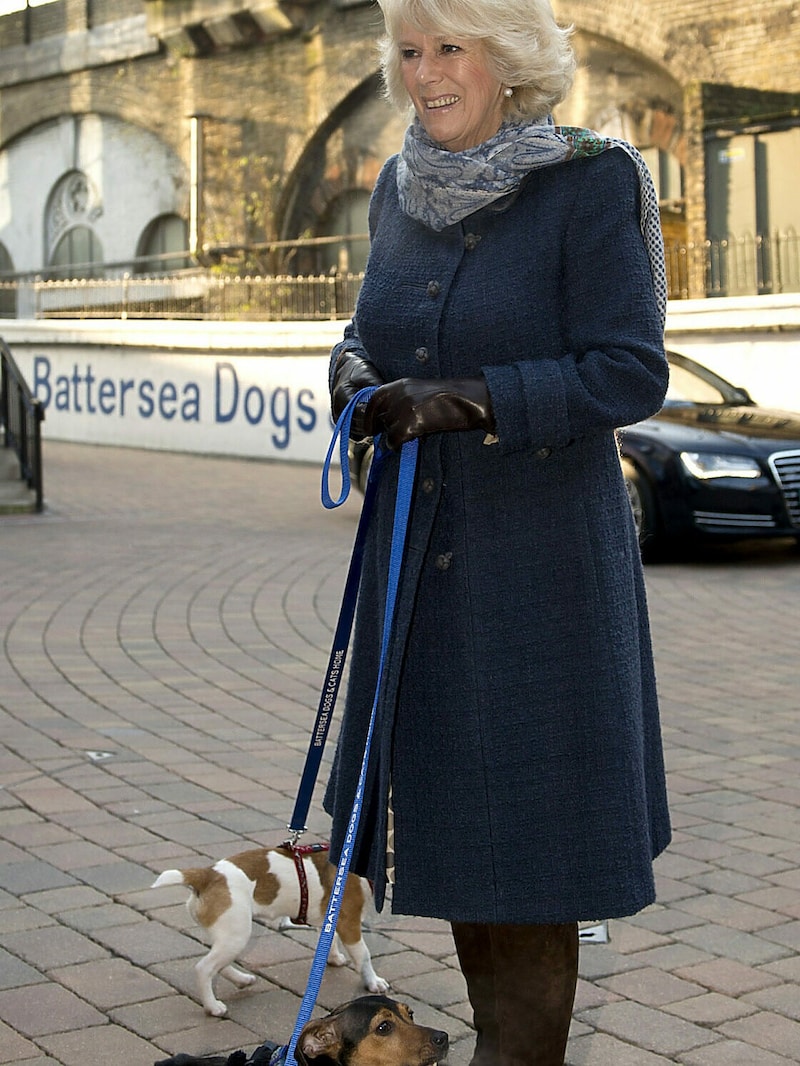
x: 298, y: 853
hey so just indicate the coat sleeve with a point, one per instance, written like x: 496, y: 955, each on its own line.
x: 613, y: 369
x: 351, y: 342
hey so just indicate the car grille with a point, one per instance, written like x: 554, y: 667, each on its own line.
x: 786, y: 468
x: 725, y: 522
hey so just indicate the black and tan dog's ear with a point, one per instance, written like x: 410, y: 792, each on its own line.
x: 320, y: 1037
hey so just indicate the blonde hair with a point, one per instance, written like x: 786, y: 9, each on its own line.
x: 525, y: 47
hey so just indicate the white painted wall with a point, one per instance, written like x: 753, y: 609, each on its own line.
x: 752, y: 341
x: 260, y: 389
x: 109, y: 153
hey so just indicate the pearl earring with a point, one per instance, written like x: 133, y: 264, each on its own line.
x: 508, y: 93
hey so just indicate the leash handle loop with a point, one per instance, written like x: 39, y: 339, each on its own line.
x: 341, y: 433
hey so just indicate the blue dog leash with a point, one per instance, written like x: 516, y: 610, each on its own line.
x: 344, y: 625
x: 405, y: 487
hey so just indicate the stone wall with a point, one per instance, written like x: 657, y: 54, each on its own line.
x: 289, y: 109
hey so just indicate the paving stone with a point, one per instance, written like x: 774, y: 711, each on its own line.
x: 57, y: 900
x: 91, y: 919
x: 733, y: 1053
x: 782, y: 999
x: 600, y: 1049
x: 720, y: 940
x: 710, y: 1009
x: 100, y: 1046
x: 46, y: 1008
x: 74, y: 855
x: 111, y: 983
x: 15, y: 1048
x: 14, y: 973
x: 117, y: 876
x: 647, y: 1028
x: 651, y: 986
x: 149, y: 942
x: 52, y: 946
x: 16, y: 919
x: 19, y: 878
x: 728, y: 976
x: 766, y: 1030
x: 439, y: 988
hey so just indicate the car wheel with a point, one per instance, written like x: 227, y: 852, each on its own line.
x: 644, y: 509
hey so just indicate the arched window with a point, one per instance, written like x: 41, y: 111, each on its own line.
x: 8, y: 287
x: 72, y: 246
x: 165, y: 234
x: 78, y: 254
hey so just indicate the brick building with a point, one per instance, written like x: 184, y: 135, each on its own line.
x: 137, y: 131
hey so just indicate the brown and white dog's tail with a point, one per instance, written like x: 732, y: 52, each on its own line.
x: 198, y: 880
x: 169, y: 877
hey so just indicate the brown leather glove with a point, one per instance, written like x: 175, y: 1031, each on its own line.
x: 410, y: 407
x: 351, y: 374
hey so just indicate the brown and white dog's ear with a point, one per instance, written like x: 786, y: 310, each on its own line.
x: 320, y: 1037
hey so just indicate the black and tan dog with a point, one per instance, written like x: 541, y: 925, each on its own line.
x: 370, y: 1031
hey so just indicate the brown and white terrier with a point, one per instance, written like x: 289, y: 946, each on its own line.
x: 266, y: 883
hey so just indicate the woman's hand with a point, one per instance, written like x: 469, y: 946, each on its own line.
x: 352, y: 373
x: 410, y: 407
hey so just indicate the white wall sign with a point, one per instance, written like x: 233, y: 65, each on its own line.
x: 260, y: 406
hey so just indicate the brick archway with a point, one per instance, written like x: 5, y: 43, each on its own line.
x: 678, y: 47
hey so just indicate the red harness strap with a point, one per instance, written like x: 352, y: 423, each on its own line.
x: 298, y: 853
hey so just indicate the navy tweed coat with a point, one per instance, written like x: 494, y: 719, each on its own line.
x: 518, y: 724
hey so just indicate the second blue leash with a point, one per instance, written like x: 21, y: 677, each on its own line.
x: 405, y: 488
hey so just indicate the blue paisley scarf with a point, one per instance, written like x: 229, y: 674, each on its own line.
x: 439, y: 188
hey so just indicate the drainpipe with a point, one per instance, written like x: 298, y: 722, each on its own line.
x: 196, y: 187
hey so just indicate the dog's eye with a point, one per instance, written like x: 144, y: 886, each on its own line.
x: 385, y: 1027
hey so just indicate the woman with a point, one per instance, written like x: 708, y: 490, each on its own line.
x: 512, y: 315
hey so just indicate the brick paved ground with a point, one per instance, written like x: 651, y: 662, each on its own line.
x: 165, y: 628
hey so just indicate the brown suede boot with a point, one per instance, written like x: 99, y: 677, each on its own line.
x: 530, y: 971
x: 474, y: 949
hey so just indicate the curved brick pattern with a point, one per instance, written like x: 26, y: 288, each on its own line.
x: 166, y: 625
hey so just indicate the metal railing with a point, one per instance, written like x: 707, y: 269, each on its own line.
x: 21, y: 416
x: 736, y: 266
x: 192, y: 295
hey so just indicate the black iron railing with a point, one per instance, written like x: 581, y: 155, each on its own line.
x: 21, y: 417
x: 736, y: 266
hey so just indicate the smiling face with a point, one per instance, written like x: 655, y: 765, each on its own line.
x: 457, y: 99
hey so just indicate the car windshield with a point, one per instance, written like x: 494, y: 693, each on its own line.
x: 691, y: 384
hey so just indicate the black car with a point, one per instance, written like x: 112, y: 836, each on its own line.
x: 711, y: 464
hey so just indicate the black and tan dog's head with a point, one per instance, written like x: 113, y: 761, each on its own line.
x: 370, y: 1031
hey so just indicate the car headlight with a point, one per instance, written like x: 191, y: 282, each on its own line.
x: 707, y: 465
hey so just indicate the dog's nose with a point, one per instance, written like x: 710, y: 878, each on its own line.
x: 440, y: 1039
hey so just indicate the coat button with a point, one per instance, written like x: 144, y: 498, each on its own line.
x: 543, y: 453
x: 471, y: 241
x: 428, y: 485
x: 434, y: 288
x: 421, y: 355
x: 444, y: 560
